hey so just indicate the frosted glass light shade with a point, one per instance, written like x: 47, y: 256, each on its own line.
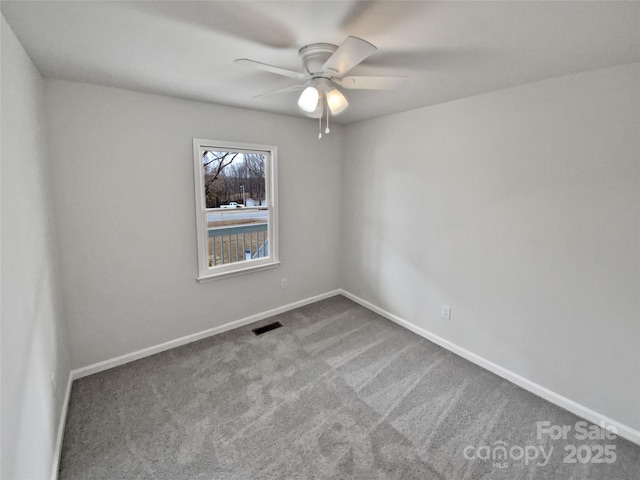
x: 336, y: 101
x: 308, y: 100
x: 318, y: 112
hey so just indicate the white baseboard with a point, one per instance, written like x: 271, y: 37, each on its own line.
x: 145, y: 352
x: 623, y: 430
x: 61, y: 423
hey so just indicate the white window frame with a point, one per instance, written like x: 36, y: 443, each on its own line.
x: 205, y: 272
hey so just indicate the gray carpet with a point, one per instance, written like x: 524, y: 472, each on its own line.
x: 337, y: 393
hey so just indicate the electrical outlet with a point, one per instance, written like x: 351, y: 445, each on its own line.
x: 284, y: 283
x: 446, y: 312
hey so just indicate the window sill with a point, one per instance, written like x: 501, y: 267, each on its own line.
x: 234, y: 273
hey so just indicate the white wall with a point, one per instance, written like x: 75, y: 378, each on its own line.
x: 34, y: 339
x: 520, y: 210
x: 123, y: 183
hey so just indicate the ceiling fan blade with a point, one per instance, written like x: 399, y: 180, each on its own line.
x: 352, y: 51
x: 290, y: 88
x: 371, y: 83
x: 271, y: 68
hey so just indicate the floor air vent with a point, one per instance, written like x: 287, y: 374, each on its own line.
x: 266, y: 328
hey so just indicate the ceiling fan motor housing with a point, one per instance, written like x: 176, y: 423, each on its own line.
x: 314, y: 56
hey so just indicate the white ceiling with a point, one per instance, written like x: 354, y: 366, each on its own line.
x: 448, y: 50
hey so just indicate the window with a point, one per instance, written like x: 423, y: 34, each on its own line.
x: 235, y: 207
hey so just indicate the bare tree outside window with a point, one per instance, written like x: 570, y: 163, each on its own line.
x: 233, y: 177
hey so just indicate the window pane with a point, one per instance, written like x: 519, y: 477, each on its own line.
x: 233, y: 179
x: 237, y: 235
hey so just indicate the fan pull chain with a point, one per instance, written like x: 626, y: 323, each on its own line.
x: 319, y: 128
x: 327, y: 129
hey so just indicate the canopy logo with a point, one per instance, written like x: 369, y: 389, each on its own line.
x: 501, y: 454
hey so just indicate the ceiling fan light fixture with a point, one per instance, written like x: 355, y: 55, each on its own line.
x: 336, y: 101
x: 308, y: 101
x: 325, y: 65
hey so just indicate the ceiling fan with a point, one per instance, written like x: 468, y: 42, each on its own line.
x: 325, y: 66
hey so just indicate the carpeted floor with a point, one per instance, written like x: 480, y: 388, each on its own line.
x: 337, y: 393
